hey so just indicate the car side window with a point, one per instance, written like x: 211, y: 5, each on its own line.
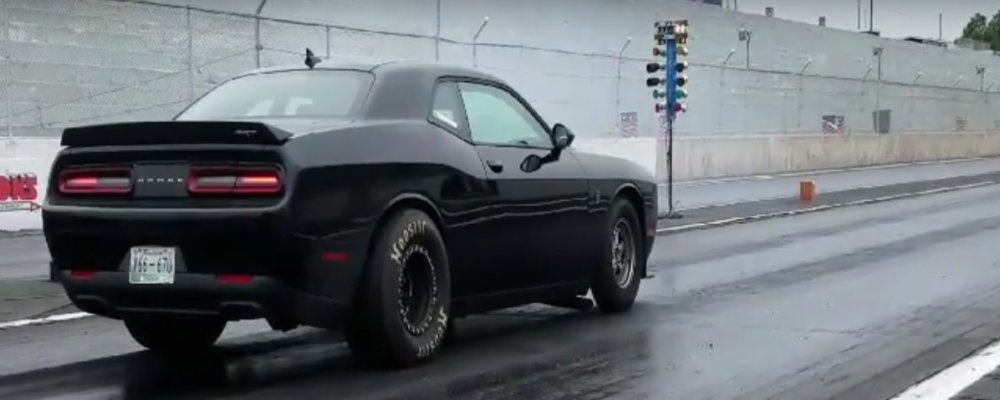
x: 446, y: 109
x: 497, y: 118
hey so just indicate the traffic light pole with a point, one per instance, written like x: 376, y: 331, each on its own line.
x: 673, y: 36
x: 671, y: 80
x: 671, y: 213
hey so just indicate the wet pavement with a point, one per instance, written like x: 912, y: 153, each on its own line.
x: 855, y: 303
x: 23, y: 257
x: 24, y: 288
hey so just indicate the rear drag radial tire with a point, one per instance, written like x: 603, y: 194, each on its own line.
x: 181, y: 334
x: 407, y: 248
x: 611, y: 296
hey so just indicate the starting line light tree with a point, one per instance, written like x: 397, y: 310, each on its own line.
x: 669, y: 88
x: 668, y: 81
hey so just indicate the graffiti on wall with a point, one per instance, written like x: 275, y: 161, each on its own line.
x: 629, y: 124
x: 663, y: 124
x: 19, y: 192
x: 833, y: 124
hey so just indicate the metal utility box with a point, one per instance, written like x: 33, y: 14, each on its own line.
x: 881, y: 120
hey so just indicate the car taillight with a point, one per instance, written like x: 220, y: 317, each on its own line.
x: 95, y: 181
x: 234, y: 180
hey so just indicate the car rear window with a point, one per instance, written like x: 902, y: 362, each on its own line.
x: 315, y: 93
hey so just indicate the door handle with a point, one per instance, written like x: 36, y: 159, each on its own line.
x: 495, y: 165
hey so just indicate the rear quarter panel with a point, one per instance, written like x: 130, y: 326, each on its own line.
x: 345, y: 181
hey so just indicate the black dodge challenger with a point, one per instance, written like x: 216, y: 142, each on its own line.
x: 385, y: 200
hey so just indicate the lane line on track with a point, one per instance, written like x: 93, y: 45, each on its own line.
x: 675, y: 229
x: 46, y: 320
x: 829, y: 171
x: 825, y: 207
x: 951, y: 381
x: 785, y: 196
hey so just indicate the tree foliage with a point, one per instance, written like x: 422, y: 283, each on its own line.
x: 983, y: 30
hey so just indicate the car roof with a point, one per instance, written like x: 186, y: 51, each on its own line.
x: 389, y: 67
x: 393, y: 94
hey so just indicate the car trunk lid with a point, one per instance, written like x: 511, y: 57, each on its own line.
x: 186, y: 164
x: 175, y: 132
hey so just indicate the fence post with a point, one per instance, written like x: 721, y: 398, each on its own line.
x: 475, y: 41
x: 327, y: 42
x: 437, y: 34
x: 256, y: 32
x: 618, y: 84
x: 256, y: 41
x: 6, y: 74
x: 190, y: 56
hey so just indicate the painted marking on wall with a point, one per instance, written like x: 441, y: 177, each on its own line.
x: 18, y: 192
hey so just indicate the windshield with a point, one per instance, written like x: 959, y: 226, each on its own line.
x: 318, y: 94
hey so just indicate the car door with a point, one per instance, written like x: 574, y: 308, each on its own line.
x: 538, y: 210
x: 473, y: 236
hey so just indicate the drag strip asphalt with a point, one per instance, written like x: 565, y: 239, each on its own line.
x: 852, y: 303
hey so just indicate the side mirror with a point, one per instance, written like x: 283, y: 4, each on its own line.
x: 562, y: 137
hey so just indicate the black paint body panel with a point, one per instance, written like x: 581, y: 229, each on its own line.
x: 513, y: 237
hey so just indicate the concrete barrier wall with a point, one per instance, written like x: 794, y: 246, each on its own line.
x: 703, y: 157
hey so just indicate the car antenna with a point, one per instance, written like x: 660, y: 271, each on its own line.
x: 311, y: 59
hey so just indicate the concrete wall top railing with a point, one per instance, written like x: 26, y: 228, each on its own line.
x: 87, y: 61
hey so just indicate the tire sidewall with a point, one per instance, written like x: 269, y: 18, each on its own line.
x: 412, y: 234
x: 609, y: 295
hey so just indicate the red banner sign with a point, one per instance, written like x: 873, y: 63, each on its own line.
x: 18, y: 192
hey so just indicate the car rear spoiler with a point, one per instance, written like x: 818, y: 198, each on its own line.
x: 174, y: 132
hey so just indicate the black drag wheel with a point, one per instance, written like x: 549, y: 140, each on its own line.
x: 403, y: 304
x: 616, y: 282
x: 175, y: 334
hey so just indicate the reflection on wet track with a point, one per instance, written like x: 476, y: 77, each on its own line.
x: 251, y: 361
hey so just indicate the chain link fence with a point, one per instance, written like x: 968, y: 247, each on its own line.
x: 75, y: 62
x: 72, y: 63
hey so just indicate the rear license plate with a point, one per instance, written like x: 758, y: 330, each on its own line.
x: 152, y: 265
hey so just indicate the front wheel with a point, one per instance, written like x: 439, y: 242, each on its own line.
x: 616, y: 282
x: 403, y: 307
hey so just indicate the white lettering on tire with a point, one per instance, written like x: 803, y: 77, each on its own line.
x: 427, y: 349
x: 399, y: 245
x: 409, y: 252
x: 404, y: 247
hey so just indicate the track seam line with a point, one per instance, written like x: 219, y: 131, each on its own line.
x: 826, y: 171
